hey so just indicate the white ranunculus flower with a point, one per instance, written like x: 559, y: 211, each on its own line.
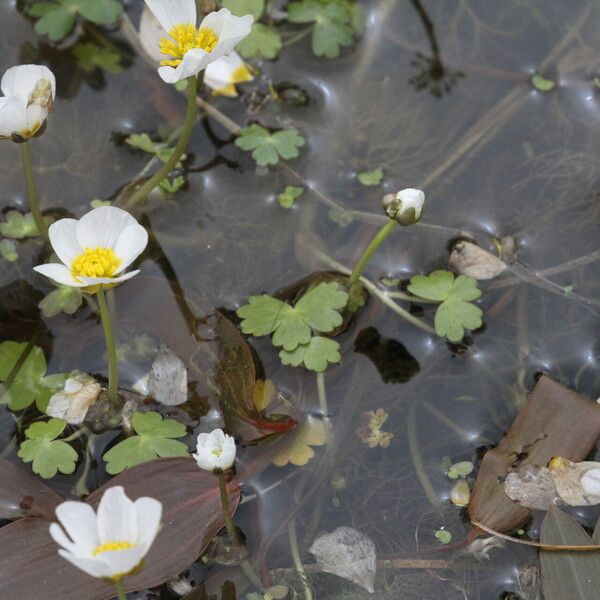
x: 96, y: 249
x: 215, y: 451
x: 29, y: 92
x: 223, y: 75
x: 405, y: 206
x: 111, y: 543
x: 188, y: 50
x: 590, y: 482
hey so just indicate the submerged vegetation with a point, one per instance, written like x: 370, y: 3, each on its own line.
x: 240, y: 359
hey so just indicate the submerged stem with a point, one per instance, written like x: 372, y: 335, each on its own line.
x: 111, y: 351
x: 308, y: 595
x: 139, y: 197
x: 32, y: 196
x: 226, y: 512
x: 371, y: 248
x: 120, y: 590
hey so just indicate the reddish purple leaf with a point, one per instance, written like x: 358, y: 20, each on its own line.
x: 30, y: 567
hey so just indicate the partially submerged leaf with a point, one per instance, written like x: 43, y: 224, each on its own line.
x: 191, y: 513
x: 543, y: 428
x: 167, y: 382
x: 374, y: 177
x: 572, y: 575
x: 65, y: 299
x: 347, y: 553
x: 299, y: 451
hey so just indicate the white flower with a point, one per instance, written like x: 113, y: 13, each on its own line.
x: 189, y: 50
x: 215, y: 450
x: 223, y: 75
x: 405, y: 206
x: 29, y: 92
x: 590, y: 482
x: 111, y: 543
x: 95, y: 249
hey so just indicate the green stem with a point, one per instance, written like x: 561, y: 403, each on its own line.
x: 366, y: 257
x: 322, y: 394
x: 293, y: 536
x: 111, y: 351
x: 120, y: 590
x: 231, y: 530
x: 32, y: 196
x: 139, y: 197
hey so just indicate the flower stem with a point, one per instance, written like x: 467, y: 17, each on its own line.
x: 375, y: 243
x: 139, y: 197
x: 120, y: 590
x: 32, y: 196
x: 113, y: 372
x: 226, y: 512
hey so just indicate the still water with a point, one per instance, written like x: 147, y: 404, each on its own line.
x: 441, y: 99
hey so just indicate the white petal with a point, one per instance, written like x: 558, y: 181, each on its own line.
x: 590, y: 482
x: 87, y: 281
x: 230, y: 29
x: 63, y: 237
x: 92, y: 566
x: 102, y: 227
x: 123, y: 561
x: 206, y: 460
x: 59, y: 273
x: 35, y: 116
x: 193, y: 62
x: 227, y: 457
x: 57, y: 533
x: 220, y: 73
x: 13, y: 116
x: 149, y: 514
x: 130, y: 245
x: 117, y: 520
x: 22, y: 80
x: 79, y: 521
x: 412, y: 198
x: 171, y: 13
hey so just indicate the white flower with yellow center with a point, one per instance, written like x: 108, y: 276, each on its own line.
x: 29, y: 92
x: 111, y: 543
x: 223, y: 75
x: 215, y: 451
x: 188, y: 49
x: 96, y: 249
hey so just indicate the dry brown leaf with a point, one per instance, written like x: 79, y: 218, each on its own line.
x: 469, y: 259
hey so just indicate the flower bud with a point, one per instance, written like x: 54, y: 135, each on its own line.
x: 405, y: 206
x: 215, y: 451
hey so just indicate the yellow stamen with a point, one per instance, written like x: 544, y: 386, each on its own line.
x: 112, y: 547
x: 95, y: 262
x: 184, y: 38
x: 217, y: 452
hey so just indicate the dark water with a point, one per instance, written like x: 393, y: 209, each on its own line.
x: 495, y: 157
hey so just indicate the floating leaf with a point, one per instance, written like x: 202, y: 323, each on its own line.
x: 56, y: 18
x: 268, y: 147
x: 65, y: 299
x: 262, y: 41
x: 47, y: 454
x: 347, y: 553
x: 154, y: 439
x: 542, y: 84
x: 8, y: 250
x: 369, y: 178
x: 317, y: 355
x: 192, y: 516
x: 543, y: 429
x: 445, y: 537
x: 572, y: 575
x: 460, y: 469
x: 90, y: 56
x: 455, y: 313
x: 292, y: 326
x: 28, y: 384
x: 289, y: 196
x: 245, y: 7
x: 299, y: 452
x: 332, y: 25
x: 18, y: 226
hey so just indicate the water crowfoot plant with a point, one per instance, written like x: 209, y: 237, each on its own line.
x: 29, y: 92
x: 112, y: 543
x: 95, y: 251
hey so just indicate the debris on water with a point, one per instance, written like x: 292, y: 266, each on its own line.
x: 460, y: 494
x: 72, y: 403
x: 347, y: 553
x: 168, y: 381
x: 471, y: 260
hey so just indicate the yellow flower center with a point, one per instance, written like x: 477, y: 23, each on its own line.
x: 95, y: 262
x: 217, y: 452
x: 112, y: 547
x: 184, y: 38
